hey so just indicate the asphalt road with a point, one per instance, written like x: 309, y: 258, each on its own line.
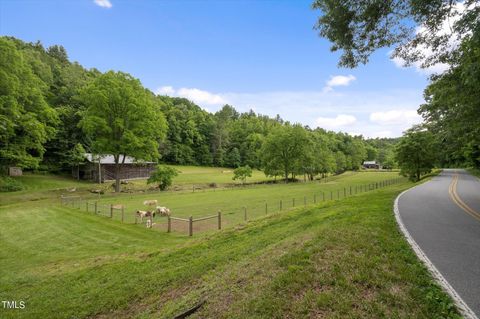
x: 443, y: 217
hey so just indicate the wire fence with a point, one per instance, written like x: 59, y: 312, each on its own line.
x: 225, y: 214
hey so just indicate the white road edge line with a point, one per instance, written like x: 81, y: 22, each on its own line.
x: 461, y: 305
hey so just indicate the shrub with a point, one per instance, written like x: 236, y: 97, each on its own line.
x: 8, y: 184
x: 163, y: 176
x: 242, y: 173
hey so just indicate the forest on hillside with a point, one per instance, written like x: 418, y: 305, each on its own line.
x: 48, y: 120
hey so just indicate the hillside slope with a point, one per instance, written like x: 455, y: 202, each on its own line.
x: 340, y: 259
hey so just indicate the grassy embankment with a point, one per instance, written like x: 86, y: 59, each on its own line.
x: 338, y: 259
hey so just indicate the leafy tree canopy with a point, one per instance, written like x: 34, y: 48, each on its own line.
x: 358, y: 28
x: 26, y: 119
x: 415, y: 153
x: 242, y: 173
x: 121, y: 119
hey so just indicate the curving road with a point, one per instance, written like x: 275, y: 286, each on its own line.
x: 443, y: 218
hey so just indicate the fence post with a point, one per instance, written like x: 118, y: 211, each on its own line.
x: 96, y: 207
x: 111, y: 210
x: 281, y: 204
x: 314, y: 198
x: 190, y: 226
x: 344, y: 192
x: 338, y: 194
x: 293, y: 202
x: 266, y: 208
x: 245, y: 213
x: 86, y: 204
x: 123, y: 213
x: 219, y: 220
x: 169, y: 224
x: 331, y: 195
x: 350, y: 190
x: 323, y: 196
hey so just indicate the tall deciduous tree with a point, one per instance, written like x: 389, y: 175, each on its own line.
x: 26, y: 119
x: 121, y: 119
x: 415, y: 153
x: 452, y: 108
x: 284, y: 148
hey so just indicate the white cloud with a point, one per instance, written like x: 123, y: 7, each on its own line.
x: 340, y: 121
x: 103, y: 3
x: 396, y: 117
x: 165, y: 90
x: 196, y: 95
x: 340, y: 80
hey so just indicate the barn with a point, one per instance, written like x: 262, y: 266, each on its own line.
x: 101, y: 168
x: 371, y: 164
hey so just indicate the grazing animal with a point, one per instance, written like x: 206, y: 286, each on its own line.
x: 143, y: 213
x: 151, y: 202
x: 162, y: 211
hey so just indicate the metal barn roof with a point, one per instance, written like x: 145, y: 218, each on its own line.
x: 109, y: 159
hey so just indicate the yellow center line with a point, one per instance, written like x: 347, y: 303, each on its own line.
x: 452, y: 190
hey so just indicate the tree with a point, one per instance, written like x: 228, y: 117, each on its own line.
x: 414, y: 27
x: 26, y: 119
x: 340, y: 161
x: 283, y: 147
x: 415, y: 153
x: 75, y: 157
x: 121, y: 119
x: 163, y: 176
x: 452, y: 108
x: 242, y: 173
x: 233, y: 158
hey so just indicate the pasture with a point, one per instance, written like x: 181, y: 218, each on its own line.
x: 258, y: 200
x: 339, y: 259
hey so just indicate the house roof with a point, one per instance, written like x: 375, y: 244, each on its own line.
x: 109, y: 159
x: 369, y: 163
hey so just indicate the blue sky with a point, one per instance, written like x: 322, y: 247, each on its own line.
x: 262, y: 55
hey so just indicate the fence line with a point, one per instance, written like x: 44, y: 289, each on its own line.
x: 111, y: 210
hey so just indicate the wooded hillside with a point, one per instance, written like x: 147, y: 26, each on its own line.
x: 50, y: 113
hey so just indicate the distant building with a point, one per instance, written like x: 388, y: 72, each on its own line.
x: 15, y: 171
x: 101, y: 168
x: 371, y: 164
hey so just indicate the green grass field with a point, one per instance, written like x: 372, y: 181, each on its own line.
x: 231, y: 202
x: 338, y: 259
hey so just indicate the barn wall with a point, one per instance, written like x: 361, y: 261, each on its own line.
x: 127, y: 171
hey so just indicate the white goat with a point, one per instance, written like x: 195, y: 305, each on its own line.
x: 162, y: 211
x: 151, y: 202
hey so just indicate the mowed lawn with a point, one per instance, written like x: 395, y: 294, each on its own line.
x: 339, y: 259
